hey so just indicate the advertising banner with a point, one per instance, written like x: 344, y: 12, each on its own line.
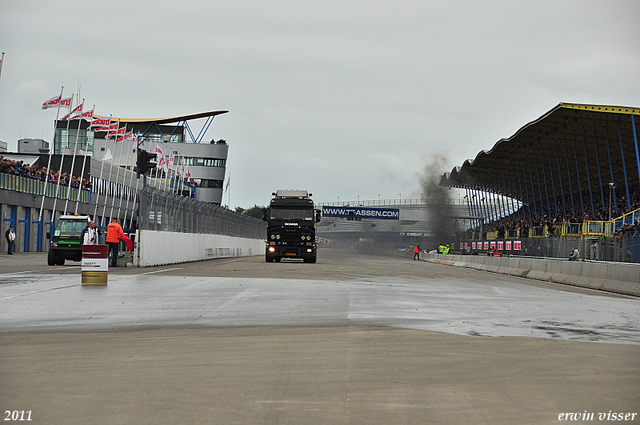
x: 361, y: 212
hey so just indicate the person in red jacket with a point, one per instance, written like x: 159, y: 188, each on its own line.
x: 114, y: 234
x: 416, y: 252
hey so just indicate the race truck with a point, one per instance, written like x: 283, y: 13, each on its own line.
x: 291, y: 226
x: 66, y: 243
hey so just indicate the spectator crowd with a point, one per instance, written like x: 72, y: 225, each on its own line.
x: 19, y: 168
x: 530, y: 217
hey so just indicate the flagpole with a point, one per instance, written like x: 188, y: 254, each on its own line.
x: 229, y: 193
x: 135, y: 149
x: 55, y: 200
x: 126, y: 210
x: 155, y: 182
x: 53, y: 144
x: 165, y: 170
x: 2, y: 62
x: 84, y: 160
x: 119, y: 167
x: 95, y: 211
x: 124, y: 178
x: 73, y: 161
x: 110, y: 171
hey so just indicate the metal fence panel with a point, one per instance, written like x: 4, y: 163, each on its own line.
x: 165, y: 211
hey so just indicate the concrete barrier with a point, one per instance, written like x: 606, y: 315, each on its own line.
x: 158, y: 248
x: 621, y: 278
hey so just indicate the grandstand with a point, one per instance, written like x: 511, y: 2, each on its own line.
x: 575, y: 171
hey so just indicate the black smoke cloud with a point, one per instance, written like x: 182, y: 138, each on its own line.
x: 440, y: 213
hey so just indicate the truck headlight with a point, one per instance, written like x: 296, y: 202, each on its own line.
x: 273, y: 236
x: 272, y: 249
x: 277, y: 236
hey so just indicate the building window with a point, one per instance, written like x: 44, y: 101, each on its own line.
x: 205, y: 162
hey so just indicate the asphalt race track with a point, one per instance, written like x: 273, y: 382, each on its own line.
x: 349, y: 340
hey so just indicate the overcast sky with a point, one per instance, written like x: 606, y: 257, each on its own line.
x: 344, y: 98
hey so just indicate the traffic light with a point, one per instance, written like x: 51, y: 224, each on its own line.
x: 145, y: 161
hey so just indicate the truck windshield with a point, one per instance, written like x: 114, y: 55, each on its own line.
x: 291, y: 213
x: 70, y: 227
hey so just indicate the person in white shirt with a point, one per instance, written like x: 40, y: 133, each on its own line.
x: 91, y: 234
x: 10, y: 236
x: 575, y: 254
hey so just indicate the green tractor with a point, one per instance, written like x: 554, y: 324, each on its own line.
x: 66, y: 243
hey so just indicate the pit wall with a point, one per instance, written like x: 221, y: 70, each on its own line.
x: 157, y: 248
x: 621, y: 278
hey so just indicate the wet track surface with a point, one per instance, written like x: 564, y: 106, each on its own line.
x: 450, y: 301
x: 349, y: 340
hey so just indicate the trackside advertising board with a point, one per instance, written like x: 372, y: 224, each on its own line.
x: 362, y: 212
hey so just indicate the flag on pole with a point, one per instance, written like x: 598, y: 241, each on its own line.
x: 161, y: 157
x: 119, y: 132
x: 66, y: 102
x: 101, y: 122
x: 107, y: 128
x: 87, y: 115
x: 54, y: 101
x: 75, y: 114
x: 107, y: 156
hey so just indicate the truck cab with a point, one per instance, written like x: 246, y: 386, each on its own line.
x: 291, y: 226
x: 66, y: 243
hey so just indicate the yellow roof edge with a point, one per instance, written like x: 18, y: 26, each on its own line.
x: 166, y: 120
x: 602, y: 108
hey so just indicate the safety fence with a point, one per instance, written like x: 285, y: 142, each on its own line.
x: 626, y: 225
x: 169, y: 212
x: 619, y: 248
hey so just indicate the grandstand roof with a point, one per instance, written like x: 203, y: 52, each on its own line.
x: 167, y: 120
x: 567, y: 134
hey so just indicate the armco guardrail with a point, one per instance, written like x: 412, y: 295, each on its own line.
x: 621, y: 278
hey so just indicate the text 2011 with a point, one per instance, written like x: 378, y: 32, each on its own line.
x: 17, y: 415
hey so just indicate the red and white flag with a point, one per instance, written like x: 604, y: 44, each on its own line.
x: 127, y: 136
x: 161, y: 157
x: 87, y: 115
x: 54, y: 101
x: 111, y: 127
x: 75, y: 114
x: 66, y: 102
x: 119, y: 132
x: 100, y: 122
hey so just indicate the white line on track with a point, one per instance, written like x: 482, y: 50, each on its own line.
x: 159, y: 271
x: 37, y: 292
x: 30, y: 271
